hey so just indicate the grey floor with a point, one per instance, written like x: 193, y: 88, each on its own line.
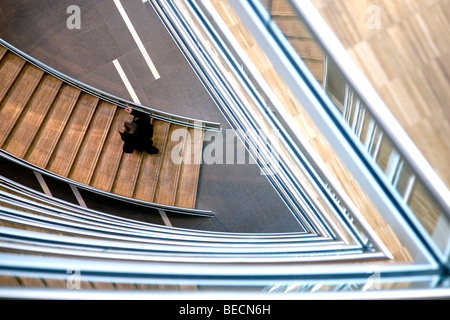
x: 243, y: 200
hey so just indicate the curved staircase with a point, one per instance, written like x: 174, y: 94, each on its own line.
x: 63, y: 130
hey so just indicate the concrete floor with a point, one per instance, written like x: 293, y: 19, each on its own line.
x: 242, y: 198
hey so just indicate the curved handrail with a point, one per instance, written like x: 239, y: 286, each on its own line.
x: 26, y: 164
x: 157, y: 114
x: 62, y: 235
x: 115, y: 229
x: 117, y: 221
x: 218, y: 294
x: 199, y: 55
x: 352, y: 224
x: 79, y: 239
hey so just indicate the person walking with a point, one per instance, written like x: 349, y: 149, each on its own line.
x: 138, y: 133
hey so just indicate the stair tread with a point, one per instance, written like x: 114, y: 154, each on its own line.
x: 145, y: 186
x: 10, y: 67
x: 282, y: 8
x: 127, y: 174
x: 307, y: 49
x: 170, y: 165
x: 15, y: 101
x: 23, y: 133
x: 103, y: 177
x: 292, y: 26
x: 73, y: 134
x: 51, y: 129
x: 91, y: 147
x: 3, y: 52
x: 190, y: 171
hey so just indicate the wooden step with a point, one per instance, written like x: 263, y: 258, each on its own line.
x: 3, y: 52
x: 48, y: 135
x: 282, y: 8
x: 166, y: 186
x: 111, y: 154
x: 292, y: 27
x: 127, y: 173
x: 299, y: 37
x: 150, y: 168
x: 91, y: 147
x: 317, y: 68
x: 307, y: 49
x: 71, y: 138
x: 17, y: 98
x: 10, y: 68
x: 29, y: 123
x: 190, y: 169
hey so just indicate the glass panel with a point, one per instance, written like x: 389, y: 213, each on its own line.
x: 404, y: 180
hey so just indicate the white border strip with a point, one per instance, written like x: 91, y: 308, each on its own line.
x: 165, y: 218
x: 137, y: 39
x: 43, y: 184
x: 125, y: 80
x: 77, y: 194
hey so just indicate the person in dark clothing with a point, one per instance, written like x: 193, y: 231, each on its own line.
x: 138, y: 133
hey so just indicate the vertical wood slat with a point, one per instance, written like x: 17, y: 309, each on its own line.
x: 151, y: 164
x: 89, y: 153
x: 16, y: 100
x: 48, y: 135
x: 70, y: 140
x: 190, y: 170
x: 170, y: 166
x: 27, y: 126
x: 10, y: 68
x: 106, y: 167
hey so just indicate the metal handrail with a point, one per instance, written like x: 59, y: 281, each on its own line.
x: 51, y: 214
x: 157, y: 114
x: 208, y: 273
x: 224, y: 295
x: 194, y: 50
x: 43, y: 212
x: 163, y: 250
x: 33, y: 197
x: 358, y: 219
x: 168, y: 208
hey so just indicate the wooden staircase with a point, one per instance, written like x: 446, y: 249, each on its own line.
x: 298, y: 36
x: 64, y: 130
